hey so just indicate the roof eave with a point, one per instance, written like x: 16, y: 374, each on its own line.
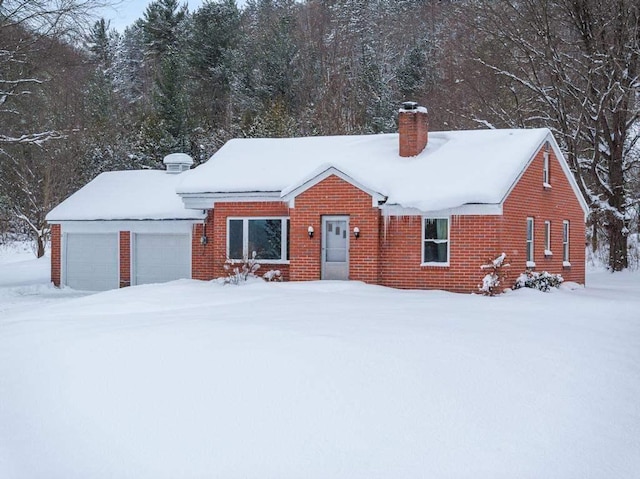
x: 207, y: 200
x: 563, y: 164
x: 290, y: 193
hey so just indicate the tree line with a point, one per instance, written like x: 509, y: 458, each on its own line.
x: 78, y: 98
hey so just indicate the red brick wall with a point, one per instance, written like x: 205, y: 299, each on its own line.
x: 476, y: 239
x: 334, y: 196
x: 56, y: 258
x: 530, y: 199
x: 203, y: 260
x: 208, y: 261
x: 472, y: 241
x: 125, y: 258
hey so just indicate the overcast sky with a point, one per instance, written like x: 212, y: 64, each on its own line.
x: 128, y: 11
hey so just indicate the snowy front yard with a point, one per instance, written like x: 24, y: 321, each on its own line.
x: 317, y: 380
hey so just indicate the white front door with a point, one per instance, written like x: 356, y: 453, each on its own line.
x: 335, y: 247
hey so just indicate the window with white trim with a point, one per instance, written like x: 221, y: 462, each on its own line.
x: 268, y: 237
x: 547, y: 238
x: 530, y: 261
x: 435, y: 234
x: 565, y: 242
x: 546, y: 179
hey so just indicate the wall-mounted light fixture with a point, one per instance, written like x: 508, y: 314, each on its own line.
x: 310, y: 231
x: 356, y: 232
x: 203, y: 239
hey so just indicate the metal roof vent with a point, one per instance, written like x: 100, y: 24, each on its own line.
x: 177, y: 162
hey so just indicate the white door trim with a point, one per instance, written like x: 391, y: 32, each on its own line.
x: 335, y: 269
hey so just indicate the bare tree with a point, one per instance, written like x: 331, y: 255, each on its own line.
x: 573, y: 65
x: 31, y: 34
x: 23, y: 26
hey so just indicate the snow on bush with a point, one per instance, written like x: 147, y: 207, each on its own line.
x: 272, y: 275
x: 491, y: 281
x: 541, y: 281
x: 240, y: 270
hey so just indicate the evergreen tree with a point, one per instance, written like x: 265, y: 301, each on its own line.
x: 212, y: 45
x: 269, y: 63
x: 164, y: 33
x: 162, y: 26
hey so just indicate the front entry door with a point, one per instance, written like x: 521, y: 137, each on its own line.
x: 335, y: 247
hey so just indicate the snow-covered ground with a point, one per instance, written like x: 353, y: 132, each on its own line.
x: 316, y: 380
x: 24, y: 281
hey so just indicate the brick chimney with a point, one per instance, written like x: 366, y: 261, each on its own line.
x: 413, y: 127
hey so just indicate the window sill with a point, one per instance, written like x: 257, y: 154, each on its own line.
x: 546, y: 186
x: 531, y: 264
x: 264, y: 261
x: 434, y: 265
x: 548, y: 252
x: 566, y: 264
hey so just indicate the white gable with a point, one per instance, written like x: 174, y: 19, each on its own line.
x: 125, y: 195
x: 456, y: 168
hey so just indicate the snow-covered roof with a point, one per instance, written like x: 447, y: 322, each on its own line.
x: 456, y: 167
x: 126, y: 195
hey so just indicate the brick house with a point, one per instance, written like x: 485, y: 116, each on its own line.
x: 416, y: 209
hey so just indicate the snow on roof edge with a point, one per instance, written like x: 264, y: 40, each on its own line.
x: 129, y: 195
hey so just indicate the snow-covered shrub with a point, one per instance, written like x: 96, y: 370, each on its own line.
x: 272, y: 275
x: 492, y: 280
x: 541, y: 281
x: 239, y: 270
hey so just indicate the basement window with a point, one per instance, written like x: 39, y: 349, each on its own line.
x: 267, y: 237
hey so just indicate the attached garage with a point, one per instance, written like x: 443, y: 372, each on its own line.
x: 158, y: 258
x: 91, y: 261
x: 124, y: 228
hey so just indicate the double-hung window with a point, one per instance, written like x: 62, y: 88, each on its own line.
x: 530, y: 262
x: 565, y: 243
x: 435, y: 236
x: 268, y: 238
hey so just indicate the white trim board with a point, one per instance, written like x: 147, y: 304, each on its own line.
x: 205, y: 201
x: 160, y: 226
x: 463, y: 210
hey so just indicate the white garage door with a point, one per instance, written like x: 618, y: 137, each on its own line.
x: 91, y: 261
x: 158, y: 258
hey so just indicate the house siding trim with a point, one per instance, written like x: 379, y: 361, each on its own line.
x: 205, y: 201
x: 484, y: 209
x: 139, y: 226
